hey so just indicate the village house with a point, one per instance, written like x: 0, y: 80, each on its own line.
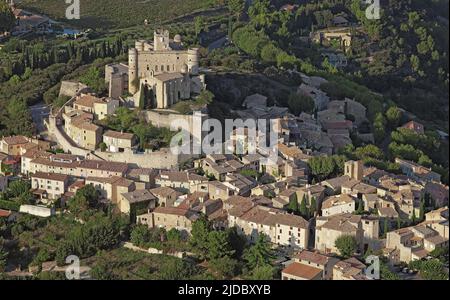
x: 99, y: 107
x: 333, y: 186
x: 309, y: 265
x: 349, y: 269
x: 320, y: 98
x: 309, y: 192
x: 415, y: 242
x: 293, y: 154
x: 116, y: 141
x: 219, y: 165
x: 252, y: 161
x: 18, y: 145
x: 438, y: 192
x: 166, y: 196
x: 28, y: 157
x: 27, y: 22
x: 338, y: 204
x: 49, y: 185
x: 133, y: 202
x: 9, y: 165
x: 239, y: 184
x: 317, y: 140
x: 168, y: 218
x: 407, y: 201
x: 288, y: 130
x: 75, y: 166
x: 12, y: 145
x: 79, y: 126
x: 358, y: 189
x: 111, y: 188
x: 365, y: 229
x: 417, y: 172
x: 144, y: 177
x: 414, y: 126
x: 182, y: 181
x: 218, y: 190
x: 280, y: 227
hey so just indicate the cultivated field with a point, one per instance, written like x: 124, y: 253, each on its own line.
x: 118, y: 13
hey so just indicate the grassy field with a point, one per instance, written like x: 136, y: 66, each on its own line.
x: 118, y: 13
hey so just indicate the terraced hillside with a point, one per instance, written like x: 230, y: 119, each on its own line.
x: 118, y: 13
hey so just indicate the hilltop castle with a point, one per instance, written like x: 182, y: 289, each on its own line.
x: 168, y: 72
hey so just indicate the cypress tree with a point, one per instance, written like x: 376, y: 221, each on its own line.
x: 304, y: 209
x: 385, y: 227
x: 313, y: 206
x: 293, y: 204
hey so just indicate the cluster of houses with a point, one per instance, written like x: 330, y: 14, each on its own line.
x: 325, y: 131
x: 218, y: 187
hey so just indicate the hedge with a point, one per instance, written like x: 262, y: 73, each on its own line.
x: 9, y: 205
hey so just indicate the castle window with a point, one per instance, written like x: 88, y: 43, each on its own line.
x: 162, y: 68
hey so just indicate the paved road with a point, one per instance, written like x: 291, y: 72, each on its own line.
x: 39, y: 112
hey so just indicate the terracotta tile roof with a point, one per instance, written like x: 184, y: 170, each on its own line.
x: 388, y: 212
x: 4, y: 213
x: 118, y: 135
x: 165, y: 192
x: 337, y: 200
x: 50, y: 176
x: 436, y: 240
x: 104, y: 166
x: 88, y: 100
x: 302, y: 271
x: 189, y: 214
x: 139, y: 196
x: 271, y: 217
x: 313, y: 257
x: 344, y: 223
x: 115, y: 180
x: 180, y: 176
x: 15, y: 140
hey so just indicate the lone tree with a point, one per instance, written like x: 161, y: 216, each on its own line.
x: 199, y: 235
x: 260, y: 254
x: 347, y: 245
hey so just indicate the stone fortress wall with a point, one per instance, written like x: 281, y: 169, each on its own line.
x: 161, y: 159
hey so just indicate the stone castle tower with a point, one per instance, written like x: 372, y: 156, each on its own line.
x: 354, y: 169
